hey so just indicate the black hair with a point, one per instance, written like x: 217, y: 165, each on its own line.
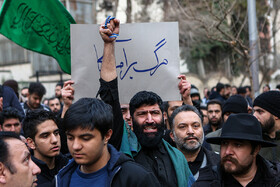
x: 214, y: 101
x: 59, y: 84
x: 254, y: 146
x: 249, y: 87
x: 89, y: 113
x: 278, y: 86
x: 24, y: 88
x: 241, y: 90
x: 52, y: 98
x: 8, y: 113
x: 267, y: 85
x: 165, y: 106
x: 37, y: 88
x: 184, y: 108
x: 4, y: 149
x: 227, y: 85
x: 34, y: 118
x: 219, y: 87
x: 144, y: 98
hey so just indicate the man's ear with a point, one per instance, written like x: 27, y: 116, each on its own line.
x: 165, y: 118
x: 30, y: 143
x: 172, y: 135
x: 3, y: 174
x: 108, y: 136
x: 257, y: 150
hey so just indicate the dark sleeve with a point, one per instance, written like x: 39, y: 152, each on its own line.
x: 11, y: 100
x: 108, y: 92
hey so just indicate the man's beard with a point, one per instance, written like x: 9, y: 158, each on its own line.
x: 240, y: 169
x: 268, y: 126
x: 148, y: 140
x: 217, y: 123
x: 182, y: 144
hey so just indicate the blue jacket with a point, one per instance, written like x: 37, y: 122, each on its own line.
x: 122, y: 171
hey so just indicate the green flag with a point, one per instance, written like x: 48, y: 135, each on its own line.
x: 39, y: 25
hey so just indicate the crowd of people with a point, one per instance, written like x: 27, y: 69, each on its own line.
x: 226, y: 138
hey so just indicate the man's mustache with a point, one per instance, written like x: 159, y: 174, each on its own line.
x: 229, y: 158
x: 191, y: 136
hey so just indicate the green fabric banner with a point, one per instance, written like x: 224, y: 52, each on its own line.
x: 39, y: 25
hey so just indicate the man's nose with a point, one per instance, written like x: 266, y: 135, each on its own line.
x: 35, y: 169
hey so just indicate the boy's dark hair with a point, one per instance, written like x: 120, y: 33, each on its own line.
x: 214, y: 101
x: 184, y: 108
x: 8, y: 113
x: 89, y: 113
x: 34, y: 118
x: 144, y: 97
x: 37, y: 88
x: 4, y: 149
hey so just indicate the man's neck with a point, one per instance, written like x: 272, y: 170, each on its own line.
x: 248, y: 177
x: 50, y: 161
x: 99, y: 164
x: 214, y: 128
x: 191, y: 156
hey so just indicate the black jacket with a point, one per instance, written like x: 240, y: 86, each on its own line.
x: 46, y: 176
x: 122, y: 171
x: 212, y: 158
x: 212, y: 176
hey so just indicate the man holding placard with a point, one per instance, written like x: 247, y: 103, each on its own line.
x: 167, y: 163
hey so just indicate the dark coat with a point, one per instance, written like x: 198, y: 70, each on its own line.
x: 10, y: 99
x: 46, y: 176
x: 212, y: 158
x: 212, y: 176
x: 122, y: 171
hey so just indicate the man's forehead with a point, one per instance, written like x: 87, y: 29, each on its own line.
x: 188, y: 116
x: 258, y: 108
x: 146, y: 107
x: 175, y: 103
x: 16, y: 120
x: 35, y: 95
x: 15, y: 146
x: 54, y: 100
x: 81, y: 131
x: 214, y: 105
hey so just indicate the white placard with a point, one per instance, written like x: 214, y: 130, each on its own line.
x: 147, y: 58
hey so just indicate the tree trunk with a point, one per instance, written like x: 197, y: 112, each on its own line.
x: 128, y: 11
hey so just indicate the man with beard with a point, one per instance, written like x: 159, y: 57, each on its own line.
x: 36, y: 91
x: 214, y: 112
x: 55, y: 105
x: 187, y: 133
x: 156, y: 155
x: 241, y: 165
x: 233, y: 105
x: 57, y: 91
x: 267, y: 110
